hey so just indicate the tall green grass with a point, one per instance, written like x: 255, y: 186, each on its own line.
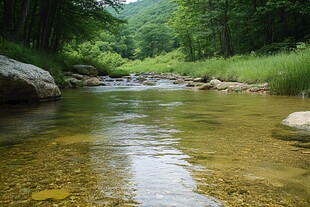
x: 291, y: 75
x: 287, y: 74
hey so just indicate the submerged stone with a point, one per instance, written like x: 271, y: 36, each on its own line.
x: 50, y: 194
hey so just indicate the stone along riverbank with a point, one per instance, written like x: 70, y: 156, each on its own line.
x: 89, y: 78
x: 20, y: 82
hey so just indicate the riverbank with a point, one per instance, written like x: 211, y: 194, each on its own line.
x: 286, y: 73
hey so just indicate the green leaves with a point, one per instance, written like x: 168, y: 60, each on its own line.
x: 154, y: 39
x: 207, y: 27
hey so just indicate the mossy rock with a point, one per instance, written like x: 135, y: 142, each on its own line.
x: 50, y: 194
x: 149, y: 83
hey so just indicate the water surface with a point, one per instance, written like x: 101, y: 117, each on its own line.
x: 155, y: 146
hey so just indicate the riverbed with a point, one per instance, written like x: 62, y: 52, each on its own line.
x: 161, y: 145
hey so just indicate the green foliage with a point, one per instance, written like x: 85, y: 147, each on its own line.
x: 206, y: 28
x: 145, y: 12
x: 46, y: 24
x: 154, y: 39
x: 147, y: 33
x: 99, y: 52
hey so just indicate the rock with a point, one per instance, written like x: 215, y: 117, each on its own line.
x: 187, y: 78
x: 198, y: 80
x: 207, y: 86
x: 77, y: 76
x: 215, y: 82
x: 299, y: 120
x: 265, y: 85
x: 191, y: 84
x: 92, y: 82
x: 141, y: 78
x: 50, y: 194
x: 25, y: 82
x: 86, y: 70
x: 73, y: 82
x: 255, y: 89
x: 149, y: 83
x: 179, y: 81
x: 221, y: 86
x: 119, y: 79
x: 244, y: 87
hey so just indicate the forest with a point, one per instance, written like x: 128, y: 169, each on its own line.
x: 47, y: 24
x: 110, y: 34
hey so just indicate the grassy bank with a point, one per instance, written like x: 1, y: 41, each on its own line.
x: 287, y: 73
x: 55, y: 63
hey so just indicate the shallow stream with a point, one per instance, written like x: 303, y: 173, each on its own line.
x: 155, y: 146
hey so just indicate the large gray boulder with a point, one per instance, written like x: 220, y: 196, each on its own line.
x: 25, y: 82
x: 299, y: 120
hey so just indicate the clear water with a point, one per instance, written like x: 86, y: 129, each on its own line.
x: 155, y: 146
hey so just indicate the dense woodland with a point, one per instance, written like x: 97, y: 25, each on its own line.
x: 227, y: 27
x: 111, y: 33
x: 204, y: 29
x: 48, y: 24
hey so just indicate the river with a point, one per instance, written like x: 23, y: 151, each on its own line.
x: 155, y: 146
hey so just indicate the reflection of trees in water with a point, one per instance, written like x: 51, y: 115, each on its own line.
x: 19, y: 123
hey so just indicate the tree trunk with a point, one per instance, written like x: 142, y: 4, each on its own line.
x: 191, y: 50
x: 8, y: 16
x: 21, y: 22
x: 212, y: 26
x: 228, y: 51
x: 29, y: 29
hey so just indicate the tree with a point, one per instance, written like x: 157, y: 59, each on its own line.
x: 154, y: 39
x: 226, y: 27
x: 47, y: 24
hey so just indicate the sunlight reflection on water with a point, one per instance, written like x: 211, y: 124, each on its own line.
x: 159, y: 174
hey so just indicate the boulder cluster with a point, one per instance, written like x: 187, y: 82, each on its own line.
x: 227, y: 87
x: 82, y: 75
x: 215, y: 84
x: 87, y: 76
